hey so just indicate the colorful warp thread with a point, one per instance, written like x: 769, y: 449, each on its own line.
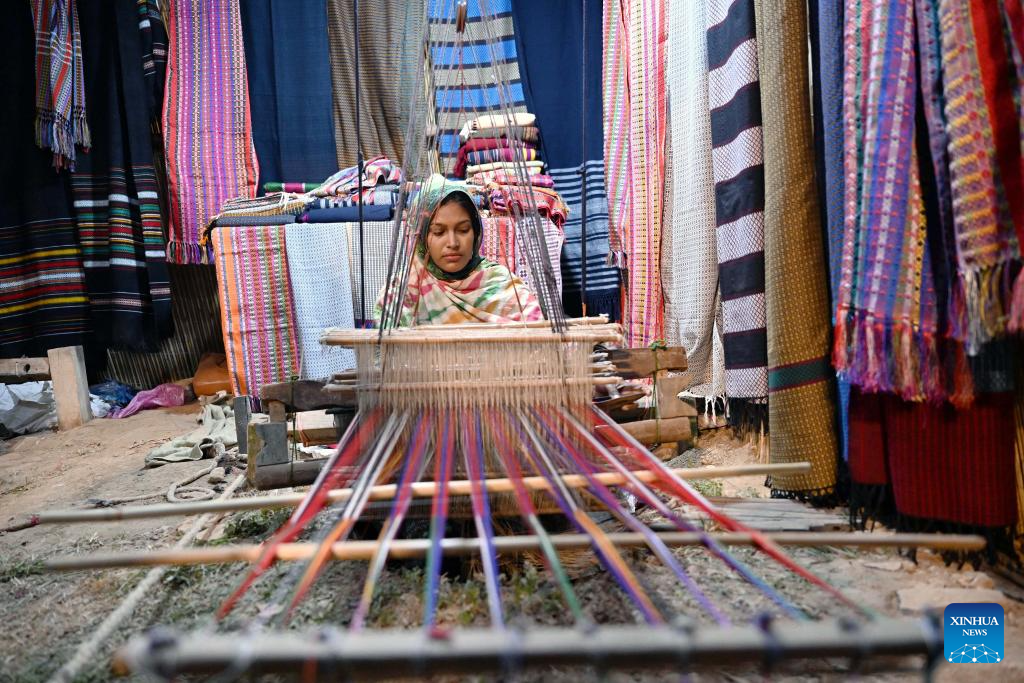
x: 690, y: 253
x: 735, y: 98
x: 637, y: 167
x: 206, y: 126
x: 257, y: 307
x: 886, y: 310
x: 43, y: 299
x: 616, y: 128
x: 555, y: 33
x: 115, y: 188
x: 984, y: 164
x: 801, y: 416
x: 475, y: 73
x: 287, y: 66
x: 60, y: 121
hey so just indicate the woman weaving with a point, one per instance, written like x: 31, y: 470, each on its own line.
x: 449, y: 282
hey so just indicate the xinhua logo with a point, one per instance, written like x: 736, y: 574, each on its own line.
x: 973, y: 633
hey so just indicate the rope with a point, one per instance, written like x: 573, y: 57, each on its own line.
x: 88, y: 650
x: 189, y: 493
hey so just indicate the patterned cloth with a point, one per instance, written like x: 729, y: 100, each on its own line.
x: 497, y: 125
x: 154, y: 57
x: 257, y: 307
x: 503, y: 177
x: 689, y: 263
x: 390, y: 40
x: 801, y: 416
x: 114, y: 187
x: 318, y: 270
x: 531, y: 167
x: 369, y: 264
x: 376, y: 171
x: 734, y: 95
x: 489, y: 293
x: 465, y: 77
x: 207, y: 132
x: 60, y: 122
x: 615, y: 114
x: 515, y: 199
x: 287, y: 64
x: 641, y: 33
x: 502, y: 237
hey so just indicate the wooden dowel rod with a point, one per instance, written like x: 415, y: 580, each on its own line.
x: 503, y: 384
x: 605, y: 333
x: 423, y: 489
x: 533, y: 324
x: 329, y: 653
x: 508, y: 545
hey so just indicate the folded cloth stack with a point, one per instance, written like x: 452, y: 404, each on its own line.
x: 497, y: 142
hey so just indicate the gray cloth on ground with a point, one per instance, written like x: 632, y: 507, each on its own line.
x: 217, y: 425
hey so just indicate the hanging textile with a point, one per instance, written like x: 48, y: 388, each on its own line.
x: 206, y: 126
x: 318, y: 271
x: 114, y: 187
x: 369, y: 264
x: 553, y: 33
x: 465, y: 71
x: 690, y: 253
x: 502, y: 236
x: 390, y: 35
x: 43, y: 299
x: 735, y: 98
x: 257, y: 308
x: 801, y: 415
x: 60, y: 121
x: 154, y: 54
x: 197, y: 331
x: 635, y: 118
x: 288, y: 65
x: 909, y: 470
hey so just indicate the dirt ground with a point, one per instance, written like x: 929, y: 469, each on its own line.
x: 46, y: 615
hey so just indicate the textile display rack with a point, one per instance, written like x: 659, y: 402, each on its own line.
x: 499, y: 418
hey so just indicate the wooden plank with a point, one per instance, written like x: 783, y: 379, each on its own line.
x: 667, y: 392
x: 15, y: 370
x: 307, y: 394
x: 70, y: 386
x: 650, y: 431
x: 636, y: 363
x: 314, y: 427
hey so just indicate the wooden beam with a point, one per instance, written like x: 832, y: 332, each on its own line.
x: 644, y: 362
x: 650, y: 432
x: 405, y: 549
x: 307, y: 394
x: 17, y: 370
x: 70, y: 386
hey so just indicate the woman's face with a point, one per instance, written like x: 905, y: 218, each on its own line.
x: 450, y: 238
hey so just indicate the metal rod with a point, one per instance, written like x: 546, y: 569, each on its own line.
x: 330, y: 654
x: 423, y: 489
x: 508, y: 545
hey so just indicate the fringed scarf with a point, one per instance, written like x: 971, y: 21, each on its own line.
x: 60, y: 87
x: 735, y: 99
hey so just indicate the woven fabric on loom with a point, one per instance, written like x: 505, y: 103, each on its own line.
x: 389, y: 51
x: 115, y: 188
x: 207, y: 131
x: 42, y: 285
x: 288, y: 64
x: 553, y: 33
x: 257, y: 307
x: 639, y: 169
x: 689, y: 263
x: 910, y: 466
x: 318, y: 269
x: 735, y: 99
x: 465, y: 78
x: 801, y: 415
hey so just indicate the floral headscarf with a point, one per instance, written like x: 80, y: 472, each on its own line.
x: 484, y: 291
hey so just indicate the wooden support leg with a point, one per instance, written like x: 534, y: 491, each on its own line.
x: 70, y: 386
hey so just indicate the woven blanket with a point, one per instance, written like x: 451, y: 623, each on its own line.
x: 60, y: 121
x: 531, y: 167
x: 489, y: 156
x: 289, y: 187
x: 495, y: 123
x: 554, y: 33
x: 256, y: 306
x: 382, y: 195
x: 207, y: 132
x: 241, y: 221
x: 515, y: 199
x: 500, y: 240
x: 345, y: 214
x: 114, y: 187
x: 638, y: 170
x: 523, y: 133
x: 689, y: 258
x: 615, y: 115
x: 502, y: 177
x: 373, y: 268
x: 466, y: 152
x: 913, y: 454
x: 390, y: 47
x: 318, y: 269
x: 735, y: 98
x: 376, y: 171
x: 465, y: 79
x: 288, y: 65
x: 801, y: 415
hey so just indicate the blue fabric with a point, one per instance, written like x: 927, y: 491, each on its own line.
x: 549, y: 38
x: 289, y: 75
x: 348, y: 214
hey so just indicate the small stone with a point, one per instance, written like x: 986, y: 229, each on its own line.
x: 920, y: 598
x: 886, y: 565
x: 217, y: 476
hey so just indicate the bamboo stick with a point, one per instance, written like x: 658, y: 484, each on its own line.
x: 474, y: 385
x: 330, y: 654
x: 424, y: 489
x: 421, y: 335
x: 509, y: 545
x: 532, y: 324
